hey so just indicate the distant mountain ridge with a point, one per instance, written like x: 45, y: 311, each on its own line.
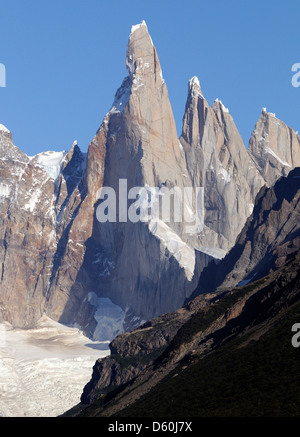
x: 56, y: 258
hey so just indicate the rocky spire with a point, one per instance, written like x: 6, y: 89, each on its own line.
x: 145, y: 268
x: 141, y: 145
x: 194, y: 89
x: 140, y: 127
x: 141, y: 57
x: 7, y: 148
x: 274, y: 147
x: 218, y: 161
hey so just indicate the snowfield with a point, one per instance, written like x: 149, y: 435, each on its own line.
x: 43, y: 370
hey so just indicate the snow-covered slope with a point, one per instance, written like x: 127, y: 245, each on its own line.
x: 51, y: 162
x: 43, y: 369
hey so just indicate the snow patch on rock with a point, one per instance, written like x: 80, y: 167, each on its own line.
x: 4, y: 190
x: 51, y: 162
x: 223, y: 107
x: 215, y: 252
x: 4, y: 129
x: 194, y: 87
x: 109, y: 317
x: 33, y: 200
x: 224, y: 174
x: 137, y: 26
x: 121, y: 97
x: 184, y: 254
x: 271, y: 152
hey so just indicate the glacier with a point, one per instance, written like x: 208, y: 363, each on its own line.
x: 44, y: 369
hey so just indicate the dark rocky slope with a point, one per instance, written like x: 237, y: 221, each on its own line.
x: 270, y: 235
x: 145, y: 361
x: 221, y: 332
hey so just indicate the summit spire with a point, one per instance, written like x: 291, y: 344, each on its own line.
x: 141, y: 55
x: 194, y: 87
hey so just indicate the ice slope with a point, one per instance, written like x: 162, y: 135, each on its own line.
x: 44, y: 369
x: 51, y: 162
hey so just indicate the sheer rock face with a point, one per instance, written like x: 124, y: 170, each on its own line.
x: 218, y: 161
x: 274, y: 147
x: 69, y: 282
x: 26, y: 233
x: 271, y: 233
x: 149, y: 115
x: 32, y: 200
x: 152, y: 265
x: 269, y: 238
x: 48, y: 212
x: 54, y: 251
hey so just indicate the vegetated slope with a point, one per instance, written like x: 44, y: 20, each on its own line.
x: 232, y: 357
x: 246, y: 377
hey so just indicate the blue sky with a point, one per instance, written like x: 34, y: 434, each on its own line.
x: 65, y: 60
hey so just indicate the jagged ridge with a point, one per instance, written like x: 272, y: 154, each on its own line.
x: 146, y: 270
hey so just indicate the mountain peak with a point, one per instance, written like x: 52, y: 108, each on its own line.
x: 265, y: 112
x: 4, y: 129
x: 219, y: 104
x: 274, y: 147
x: 194, y: 87
x: 194, y: 81
x: 135, y: 27
x: 141, y: 56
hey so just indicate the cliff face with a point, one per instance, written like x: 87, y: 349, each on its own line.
x: 142, y: 148
x: 269, y: 237
x: 218, y: 161
x: 144, y: 362
x: 33, y: 198
x: 274, y: 147
x: 58, y: 257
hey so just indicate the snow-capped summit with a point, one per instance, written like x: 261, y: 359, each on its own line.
x: 4, y: 129
x: 194, y: 81
x: 217, y: 160
x: 223, y: 107
x: 137, y: 26
x: 194, y: 88
x: 141, y: 56
x: 54, y: 250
